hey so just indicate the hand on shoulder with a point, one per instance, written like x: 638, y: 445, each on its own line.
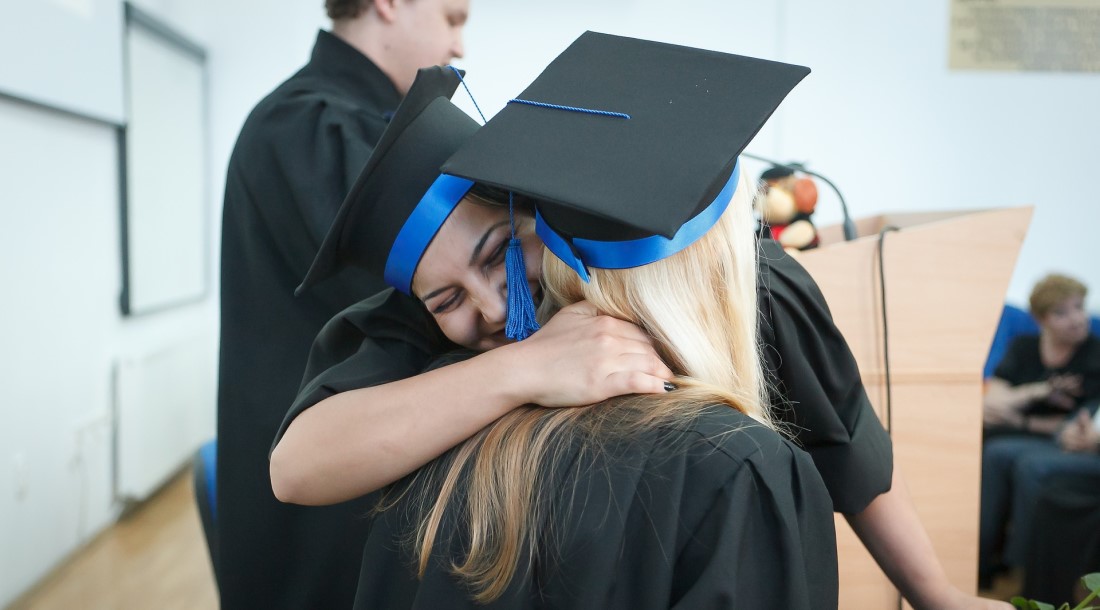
x: 581, y: 357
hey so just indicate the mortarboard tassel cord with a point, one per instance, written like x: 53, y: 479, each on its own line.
x: 521, y: 307
x: 458, y: 73
x: 621, y: 115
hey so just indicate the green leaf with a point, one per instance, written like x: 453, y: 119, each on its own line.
x: 1021, y: 603
x: 1092, y: 581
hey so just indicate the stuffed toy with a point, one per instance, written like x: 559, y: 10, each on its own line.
x: 785, y: 204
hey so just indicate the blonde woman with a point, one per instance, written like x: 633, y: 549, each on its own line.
x: 690, y: 499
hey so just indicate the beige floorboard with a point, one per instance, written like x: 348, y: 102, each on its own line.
x: 154, y: 558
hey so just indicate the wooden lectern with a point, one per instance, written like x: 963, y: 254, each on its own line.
x: 945, y: 280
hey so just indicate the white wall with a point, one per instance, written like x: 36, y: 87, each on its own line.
x: 881, y: 115
x: 62, y: 335
x: 62, y: 338
x: 59, y: 253
x: 886, y: 120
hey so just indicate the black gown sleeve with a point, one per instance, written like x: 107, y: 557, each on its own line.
x: 815, y: 384
x: 381, y: 339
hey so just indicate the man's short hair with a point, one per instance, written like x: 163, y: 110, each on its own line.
x: 345, y: 9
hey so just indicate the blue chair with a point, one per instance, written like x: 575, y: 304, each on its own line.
x: 205, y: 469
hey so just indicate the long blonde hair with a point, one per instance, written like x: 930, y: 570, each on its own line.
x: 699, y: 306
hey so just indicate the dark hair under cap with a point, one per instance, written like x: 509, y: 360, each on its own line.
x: 400, y: 199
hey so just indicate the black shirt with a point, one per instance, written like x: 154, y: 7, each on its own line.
x: 716, y: 513
x: 297, y: 155
x: 1022, y: 364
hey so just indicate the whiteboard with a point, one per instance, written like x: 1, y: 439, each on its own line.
x: 64, y: 54
x: 165, y: 199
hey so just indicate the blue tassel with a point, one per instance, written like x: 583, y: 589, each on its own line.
x: 521, y: 307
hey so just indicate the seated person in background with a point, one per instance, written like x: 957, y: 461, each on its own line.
x: 1041, y: 380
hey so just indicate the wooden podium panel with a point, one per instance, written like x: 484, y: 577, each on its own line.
x: 946, y: 274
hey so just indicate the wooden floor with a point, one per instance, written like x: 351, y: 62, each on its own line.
x: 154, y: 558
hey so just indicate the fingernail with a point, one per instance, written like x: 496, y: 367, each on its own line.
x: 669, y: 386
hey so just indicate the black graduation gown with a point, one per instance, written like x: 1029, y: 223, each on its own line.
x: 297, y: 155
x: 722, y: 513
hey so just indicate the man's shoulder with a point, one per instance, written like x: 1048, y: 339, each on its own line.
x: 304, y: 91
x: 304, y: 107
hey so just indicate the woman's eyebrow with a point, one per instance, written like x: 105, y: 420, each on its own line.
x: 476, y: 254
x: 428, y: 297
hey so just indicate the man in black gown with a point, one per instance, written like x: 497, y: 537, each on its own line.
x: 297, y: 154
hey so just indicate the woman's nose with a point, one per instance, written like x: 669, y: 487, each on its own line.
x: 493, y: 304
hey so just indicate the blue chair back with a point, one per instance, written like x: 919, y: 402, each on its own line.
x: 204, y: 470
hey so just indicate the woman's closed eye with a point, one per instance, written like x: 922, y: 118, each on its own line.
x: 448, y: 303
x: 496, y: 257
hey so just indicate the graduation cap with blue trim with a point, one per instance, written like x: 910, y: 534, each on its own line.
x: 400, y: 199
x: 628, y: 146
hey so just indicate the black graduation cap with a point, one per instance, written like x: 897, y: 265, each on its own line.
x: 400, y: 199
x: 626, y: 140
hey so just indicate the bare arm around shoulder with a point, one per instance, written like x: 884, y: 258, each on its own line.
x: 891, y: 530
x: 358, y: 441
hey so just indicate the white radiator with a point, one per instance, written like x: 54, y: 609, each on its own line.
x: 165, y: 406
